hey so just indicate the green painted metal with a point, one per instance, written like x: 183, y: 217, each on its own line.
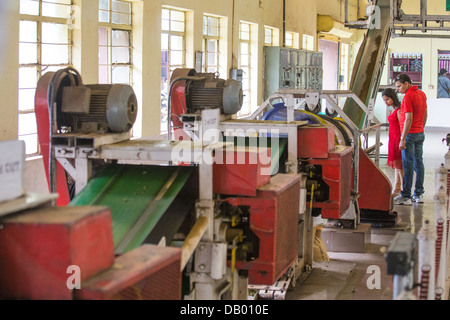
x: 137, y: 196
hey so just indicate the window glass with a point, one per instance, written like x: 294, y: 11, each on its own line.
x: 173, y: 54
x: 114, y: 38
x: 289, y: 39
x: 245, y: 65
x: 268, y: 36
x: 121, y: 74
x: 56, y: 10
x: 30, y: 7
x: 44, y: 45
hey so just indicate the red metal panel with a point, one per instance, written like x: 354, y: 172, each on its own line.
x: 146, y: 273
x: 377, y: 198
x: 178, y: 101
x: 274, y: 218
x: 241, y: 171
x: 337, y: 174
x: 43, y: 130
x: 315, y: 141
x: 38, y: 246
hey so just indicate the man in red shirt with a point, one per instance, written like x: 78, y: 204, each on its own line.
x: 413, y: 117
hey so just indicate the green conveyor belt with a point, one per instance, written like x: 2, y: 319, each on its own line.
x: 137, y: 196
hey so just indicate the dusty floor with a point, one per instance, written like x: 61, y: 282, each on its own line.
x: 346, y: 274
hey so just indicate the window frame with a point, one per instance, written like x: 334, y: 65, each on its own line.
x: 271, y: 30
x: 246, y: 92
x: 207, y: 37
x: 291, y: 40
x: 110, y: 28
x: 170, y: 67
x: 41, y: 67
x: 308, y: 42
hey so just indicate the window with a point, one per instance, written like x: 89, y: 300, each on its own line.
x: 173, y: 53
x: 211, y: 41
x: 269, y: 36
x: 289, y: 40
x: 308, y: 42
x: 114, y: 36
x: 245, y: 65
x: 44, y: 45
x: 292, y: 40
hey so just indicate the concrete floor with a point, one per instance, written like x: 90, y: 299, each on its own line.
x: 345, y: 275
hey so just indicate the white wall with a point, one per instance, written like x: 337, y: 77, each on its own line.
x: 439, y: 110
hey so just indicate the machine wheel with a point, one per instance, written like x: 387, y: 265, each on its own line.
x: 313, y: 109
x: 333, y: 114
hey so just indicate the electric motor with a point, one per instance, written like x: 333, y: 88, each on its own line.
x: 204, y: 91
x: 215, y: 93
x: 99, y: 108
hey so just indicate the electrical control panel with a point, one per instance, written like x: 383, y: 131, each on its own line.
x: 288, y: 68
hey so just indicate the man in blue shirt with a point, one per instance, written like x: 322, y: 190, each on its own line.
x: 443, y: 84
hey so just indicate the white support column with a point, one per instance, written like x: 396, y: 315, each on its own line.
x: 426, y: 261
x: 84, y: 26
x: 83, y: 172
x: 292, y: 166
x: 147, y: 69
x: 205, y: 205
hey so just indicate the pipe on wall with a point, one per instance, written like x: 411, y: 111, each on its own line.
x: 284, y: 23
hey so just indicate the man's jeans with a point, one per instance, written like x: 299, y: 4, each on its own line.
x: 413, y: 162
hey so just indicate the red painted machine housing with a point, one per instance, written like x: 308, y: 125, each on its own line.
x: 274, y: 219
x: 377, y: 198
x: 148, y: 272
x: 337, y: 174
x: 38, y: 246
x: 316, y: 146
x: 241, y: 170
x: 315, y: 141
x: 178, y: 102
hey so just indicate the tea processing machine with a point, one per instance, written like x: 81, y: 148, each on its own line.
x: 224, y: 218
x: 223, y: 205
